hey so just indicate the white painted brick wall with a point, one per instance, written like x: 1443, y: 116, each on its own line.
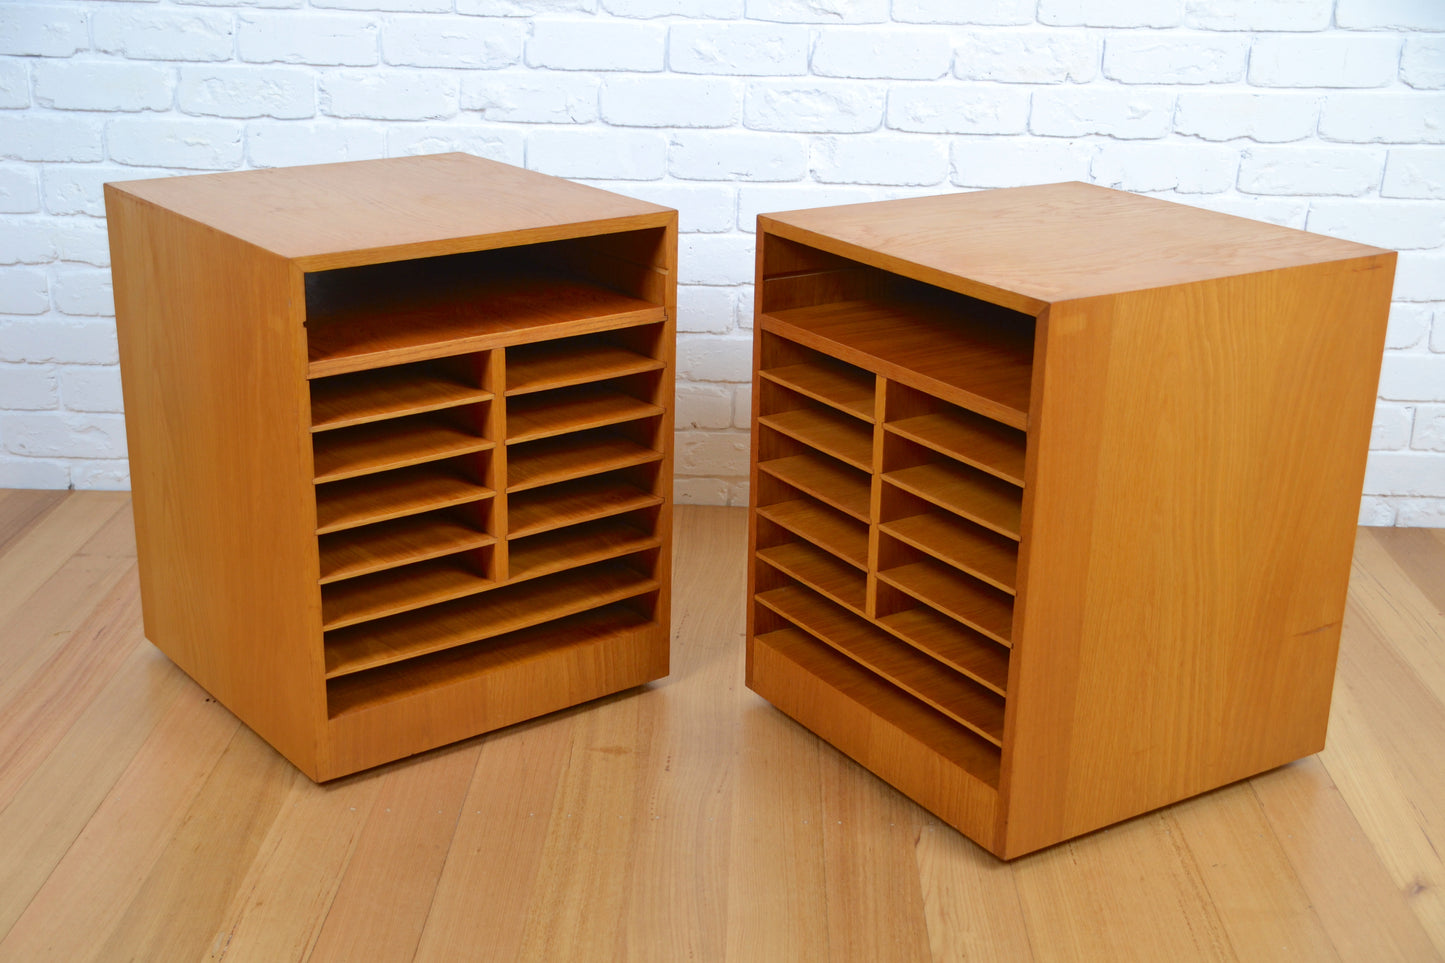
x: 1319, y: 114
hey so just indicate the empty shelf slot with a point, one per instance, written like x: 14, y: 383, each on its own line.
x: 826, y: 480
x: 974, y: 439
x: 572, y: 502
x: 842, y: 386
x: 961, y: 699
x: 820, y: 571
x: 823, y: 527
x: 376, y: 498
x: 384, y: 445
x: 375, y: 548
x: 959, y: 596
x: 977, y: 551
x: 559, y: 459
x: 565, y: 548
x: 497, y: 612
x: 534, y: 416
x: 847, y: 439
x: 366, y: 396
x: 972, y: 653
x: 557, y: 364
x: 399, y: 590
x: 980, y: 498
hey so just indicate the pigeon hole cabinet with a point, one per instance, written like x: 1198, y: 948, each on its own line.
x: 400, y: 438
x: 1054, y: 495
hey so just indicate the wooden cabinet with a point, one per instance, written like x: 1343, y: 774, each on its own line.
x: 400, y: 438
x: 1054, y: 495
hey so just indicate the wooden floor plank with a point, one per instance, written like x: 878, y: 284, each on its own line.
x: 970, y: 901
x: 23, y: 508
x: 37, y: 553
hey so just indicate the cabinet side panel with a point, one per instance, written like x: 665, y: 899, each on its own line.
x: 1201, y: 451
x: 213, y: 364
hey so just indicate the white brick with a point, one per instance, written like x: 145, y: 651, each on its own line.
x: 737, y: 156
x: 247, y: 91
x: 64, y: 435
x: 951, y: 11
x: 1409, y: 325
x: 771, y: 199
x: 78, y: 189
x: 738, y: 493
x: 704, y: 309
x: 78, y: 85
x: 498, y: 144
x: 1111, y: 13
x: 23, y: 291
x: 1027, y: 56
x: 703, y: 357
x: 715, y: 259
x: 524, y: 8
x: 1415, y: 172
x: 702, y: 9
x: 1123, y: 113
x: 38, y: 137
x: 450, y: 42
x: 610, y: 154
x: 879, y: 159
x: 91, y: 388
x: 83, y: 291
x: 1229, y: 114
x: 1010, y: 162
x: 396, y: 6
x: 1437, y: 334
x: 737, y: 48
x: 597, y: 45
x: 29, y: 387
x: 163, y: 34
x: 685, y: 491
x: 1429, y: 428
x: 36, y: 30
x: 824, y: 107
x: 701, y: 208
x: 57, y: 342
x: 819, y: 11
x: 111, y: 474
x: 1258, y: 14
x: 82, y: 240
x: 743, y: 406
x: 1331, y: 61
x: 745, y: 305
x: 14, y: 84
x: 703, y: 406
x: 1422, y: 63
x: 190, y: 144
x: 388, y: 94
x: 532, y: 97
x: 27, y: 240
x: 1390, y: 14
x: 712, y: 453
x: 1421, y: 513
x: 1286, y: 212
x: 1387, y: 118
x: 1308, y: 170
x: 1376, y: 511
x: 1176, y: 59
x: 1392, y: 426
x: 1396, y: 226
x: 873, y: 52
x: 267, y: 4
x: 945, y: 109
x: 1186, y: 168
x: 34, y: 473
x: 1405, y: 473
x: 1413, y: 377
x: 295, y: 38
x: 1420, y: 276
x: 669, y: 101
x: 277, y: 144
x: 19, y: 192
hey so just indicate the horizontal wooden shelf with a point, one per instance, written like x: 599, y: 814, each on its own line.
x: 374, y: 548
x: 376, y: 498
x: 825, y: 479
x: 497, y: 612
x: 380, y: 594
x: 959, y: 596
x: 534, y: 416
x: 384, y: 445
x: 381, y: 323
x: 980, y: 498
x: 972, y: 653
x: 558, y: 364
x: 983, y: 554
x: 823, y: 527
x: 972, y: 439
x: 578, y: 545
x: 366, y: 396
x: 847, y: 439
x: 846, y: 388
x: 569, y: 503
x: 819, y: 571
x: 980, y: 358
x: 959, y: 698
x: 563, y: 458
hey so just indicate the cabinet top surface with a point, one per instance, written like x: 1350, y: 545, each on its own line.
x: 342, y: 212
x: 1057, y: 242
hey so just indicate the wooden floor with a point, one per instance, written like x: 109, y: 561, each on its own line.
x: 687, y: 821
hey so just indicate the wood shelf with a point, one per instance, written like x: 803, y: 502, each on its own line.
x: 560, y: 459
x: 374, y: 548
x: 384, y: 445
x: 825, y: 479
x: 553, y: 364
x: 980, y: 498
x: 570, y: 503
x: 566, y: 410
x: 969, y: 438
x: 846, y: 388
x: 578, y: 545
x: 958, y: 596
x: 820, y: 571
x: 845, y: 438
x: 375, y: 596
x: 367, y: 396
x: 395, y: 494
x: 981, y: 553
x: 823, y: 527
x: 938, y: 636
